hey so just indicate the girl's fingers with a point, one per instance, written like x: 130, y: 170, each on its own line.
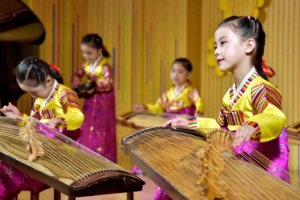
x: 174, y: 125
x: 167, y: 123
x: 238, y: 139
x: 248, y: 136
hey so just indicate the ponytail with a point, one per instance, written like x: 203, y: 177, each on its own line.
x: 264, y: 69
x: 55, y: 73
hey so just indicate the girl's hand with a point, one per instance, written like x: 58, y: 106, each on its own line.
x: 10, y: 111
x: 182, y: 122
x: 54, y: 122
x: 243, y: 133
x: 91, y: 91
x: 140, y: 108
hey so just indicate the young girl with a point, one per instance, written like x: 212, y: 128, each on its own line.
x: 252, y: 106
x: 55, y: 104
x: 181, y: 98
x: 99, y: 128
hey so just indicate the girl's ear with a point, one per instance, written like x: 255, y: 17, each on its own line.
x: 49, y: 81
x: 100, y: 51
x: 250, y: 45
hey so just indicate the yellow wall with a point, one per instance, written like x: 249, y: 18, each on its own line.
x: 145, y: 36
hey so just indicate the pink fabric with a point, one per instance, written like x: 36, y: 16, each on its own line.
x: 99, y: 127
x: 13, y: 181
x: 276, y: 150
x: 187, y: 110
x: 136, y: 170
x: 160, y: 195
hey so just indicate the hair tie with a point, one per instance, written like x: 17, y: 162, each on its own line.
x: 55, y: 68
x: 267, y: 68
x: 249, y: 17
x: 104, y: 48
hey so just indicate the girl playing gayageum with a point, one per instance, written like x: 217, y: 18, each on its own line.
x: 99, y: 128
x: 252, y: 106
x: 55, y: 105
x: 181, y: 98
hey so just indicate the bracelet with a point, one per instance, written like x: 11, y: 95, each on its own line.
x: 193, y: 122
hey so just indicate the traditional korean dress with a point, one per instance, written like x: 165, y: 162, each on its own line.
x: 99, y: 127
x: 61, y: 103
x: 256, y: 102
x: 182, y: 101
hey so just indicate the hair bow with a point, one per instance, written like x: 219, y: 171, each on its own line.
x: 55, y: 68
x: 104, y: 48
x: 267, y: 68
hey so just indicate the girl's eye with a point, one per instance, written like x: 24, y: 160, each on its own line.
x: 222, y: 43
x: 215, y: 47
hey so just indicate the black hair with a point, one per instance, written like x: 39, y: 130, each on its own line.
x: 95, y: 41
x: 249, y: 27
x: 34, y: 72
x: 185, y: 63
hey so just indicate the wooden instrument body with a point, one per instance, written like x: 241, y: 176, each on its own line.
x: 97, y: 175
x: 169, y: 158
x: 294, y: 130
x: 184, y: 168
x: 139, y: 120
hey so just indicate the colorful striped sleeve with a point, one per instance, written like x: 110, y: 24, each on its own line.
x: 160, y: 106
x: 35, y: 110
x: 193, y: 124
x: 195, y: 99
x: 105, y: 83
x: 80, y: 72
x: 73, y: 117
x: 269, y: 120
x: 221, y: 119
x: 262, y: 95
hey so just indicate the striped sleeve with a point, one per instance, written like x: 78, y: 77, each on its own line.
x: 221, y: 119
x: 105, y: 84
x: 160, y: 106
x: 68, y: 99
x: 195, y: 99
x: 80, y: 72
x: 269, y: 120
x: 73, y: 117
x: 262, y: 95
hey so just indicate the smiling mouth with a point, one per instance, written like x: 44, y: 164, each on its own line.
x: 219, y: 60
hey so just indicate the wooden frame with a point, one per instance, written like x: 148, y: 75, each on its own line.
x: 293, y: 130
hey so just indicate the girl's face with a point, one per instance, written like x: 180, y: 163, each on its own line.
x: 89, y: 53
x: 179, y: 75
x: 229, y: 49
x: 41, y: 91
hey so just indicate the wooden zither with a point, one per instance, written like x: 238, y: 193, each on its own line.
x: 62, y: 163
x: 186, y: 166
x: 139, y: 120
